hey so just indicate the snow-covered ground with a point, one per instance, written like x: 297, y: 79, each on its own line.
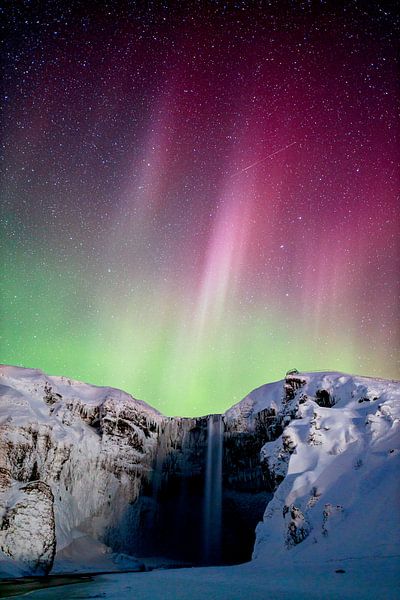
x: 363, y: 579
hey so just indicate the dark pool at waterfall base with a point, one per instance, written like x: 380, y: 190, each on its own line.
x: 17, y: 587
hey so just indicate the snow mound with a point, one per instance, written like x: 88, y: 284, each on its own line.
x: 98, y: 557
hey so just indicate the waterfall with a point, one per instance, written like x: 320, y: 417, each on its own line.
x: 212, y: 522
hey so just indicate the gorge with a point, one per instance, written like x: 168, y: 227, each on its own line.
x: 105, y: 481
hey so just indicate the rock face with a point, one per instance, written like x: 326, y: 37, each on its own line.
x: 99, y: 465
x: 171, y: 508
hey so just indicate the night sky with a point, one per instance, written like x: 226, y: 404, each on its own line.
x: 198, y: 196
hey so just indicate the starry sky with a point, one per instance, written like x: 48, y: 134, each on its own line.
x: 198, y: 196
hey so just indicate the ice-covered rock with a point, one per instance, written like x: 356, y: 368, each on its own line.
x: 92, y: 447
x: 27, y: 532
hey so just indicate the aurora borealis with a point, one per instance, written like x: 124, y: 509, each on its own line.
x: 197, y: 197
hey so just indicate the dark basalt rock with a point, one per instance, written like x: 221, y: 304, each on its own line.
x: 50, y: 397
x: 291, y: 385
x: 324, y: 399
x: 298, y: 527
x: 170, y: 506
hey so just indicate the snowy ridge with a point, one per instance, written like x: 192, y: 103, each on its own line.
x: 31, y: 382
x: 269, y: 395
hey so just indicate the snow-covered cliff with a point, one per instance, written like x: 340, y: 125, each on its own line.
x: 104, y: 468
x: 335, y: 467
x: 92, y: 446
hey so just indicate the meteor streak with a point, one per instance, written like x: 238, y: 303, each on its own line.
x: 263, y: 159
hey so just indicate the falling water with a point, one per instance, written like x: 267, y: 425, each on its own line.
x: 213, y: 491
